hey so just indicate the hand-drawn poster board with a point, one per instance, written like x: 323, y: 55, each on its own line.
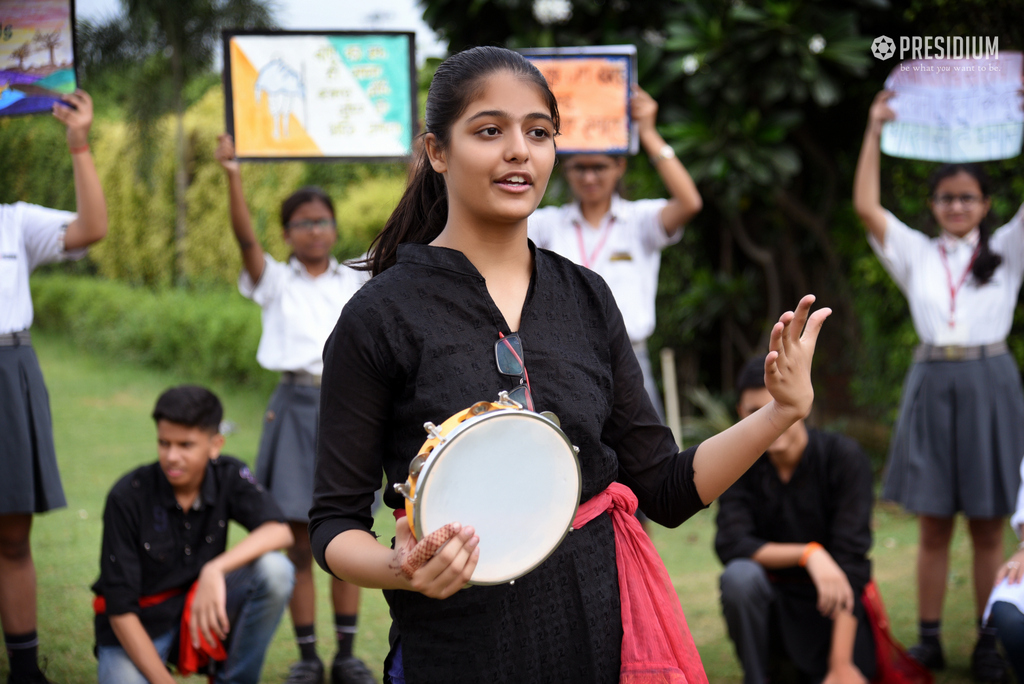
x: 956, y: 110
x: 320, y: 95
x: 37, y: 54
x: 592, y: 86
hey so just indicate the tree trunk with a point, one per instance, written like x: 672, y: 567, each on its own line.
x: 763, y: 257
x: 180, y: 171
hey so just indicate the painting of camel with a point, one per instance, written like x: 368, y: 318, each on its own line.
x: 37, y: 63
x: 330, y: 95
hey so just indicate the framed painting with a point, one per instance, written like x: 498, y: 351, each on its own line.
x: 37, y: 54
x: 592, y: 86
x: 320, y: 95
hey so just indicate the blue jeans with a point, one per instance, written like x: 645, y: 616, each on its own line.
x: 256, y: 598
x: 1009, y: 622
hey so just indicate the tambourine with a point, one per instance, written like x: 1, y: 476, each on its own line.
x: 510, y: 473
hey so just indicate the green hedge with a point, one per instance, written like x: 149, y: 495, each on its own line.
x: 203, y: 335
x: 139, y: 248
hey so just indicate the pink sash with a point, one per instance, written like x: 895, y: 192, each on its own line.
x: 656, y: 644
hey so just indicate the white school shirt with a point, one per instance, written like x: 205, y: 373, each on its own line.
x: 625, y: 250
x: 30, y: 236
x: 1004, y: 591
x: 299, y: 311
x: 983, y: 313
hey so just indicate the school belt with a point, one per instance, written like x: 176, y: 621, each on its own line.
x: 300, y: 378
x: 932, y: 352
x: 16, y: 339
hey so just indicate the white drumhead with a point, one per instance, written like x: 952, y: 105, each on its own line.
x: 515, y: 478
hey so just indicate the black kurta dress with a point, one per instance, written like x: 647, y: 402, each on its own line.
x: 416, y: 344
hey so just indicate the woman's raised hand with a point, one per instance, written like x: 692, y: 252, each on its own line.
x: 439, y: 564
x: 787, y: 367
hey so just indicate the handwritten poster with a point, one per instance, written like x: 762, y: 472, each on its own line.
x: 302, y: 95
x: 956, y: 110
x: 592, y: 86
x: 37, y: 63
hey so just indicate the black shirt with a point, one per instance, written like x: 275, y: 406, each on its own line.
x: 150, y: 545
x: 416, y: 343
x: 828, y: 499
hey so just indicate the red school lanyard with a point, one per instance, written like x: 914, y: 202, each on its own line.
x: 588, y: 260
x: 954, y: 289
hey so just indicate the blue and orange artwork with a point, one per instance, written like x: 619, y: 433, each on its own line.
x: 340, y: 95
x: 36, y: 55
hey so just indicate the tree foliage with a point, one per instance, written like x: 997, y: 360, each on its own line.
x: 766, y: 104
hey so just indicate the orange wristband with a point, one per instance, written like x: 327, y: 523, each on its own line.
x: 79, y: 150
x: 808, y: 551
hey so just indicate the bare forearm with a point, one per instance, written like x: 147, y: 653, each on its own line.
x: 269, y: 536
x: 136, y: 643
x: 844, y: 633
x: 867, y: 194
x: 722, y: 459
x: 685, y: 199
x: 241, y: 224
x: 356, y: 557
x: 90, y: 225
x: 776, y: 556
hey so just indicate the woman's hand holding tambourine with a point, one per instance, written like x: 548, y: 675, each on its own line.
x: 439, y: 564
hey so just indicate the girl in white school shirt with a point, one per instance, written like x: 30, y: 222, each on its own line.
x: 960, y: 434
x: 619, y: 239
x: 31, y: 236
x: 301, y: 301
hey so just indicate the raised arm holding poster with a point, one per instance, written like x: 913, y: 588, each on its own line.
x: 318, y: 95
x: 592, y: 85
x: 956, y: 110
x: 37, y: 64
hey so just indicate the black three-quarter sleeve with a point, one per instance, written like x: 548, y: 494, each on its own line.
x: 849, y: 475
x: 737, y: 534
x: 351, y: 434
x: 649, y: 462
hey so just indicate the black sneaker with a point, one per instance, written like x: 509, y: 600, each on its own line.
x: 928, y: 654
x: 350, y: 670
x: 987, y: 666
x: 306, y: 672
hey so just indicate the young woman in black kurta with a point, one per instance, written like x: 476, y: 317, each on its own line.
x: 453, y: 269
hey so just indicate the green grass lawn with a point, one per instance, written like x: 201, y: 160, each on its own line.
x: 102, y: 428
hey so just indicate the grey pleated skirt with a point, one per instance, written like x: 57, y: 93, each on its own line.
x: 29, y: 480
x: 959, y: 439
x: 288, y: 449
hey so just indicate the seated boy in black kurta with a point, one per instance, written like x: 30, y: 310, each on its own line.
x: 165, y: 533
x: 794, y: 533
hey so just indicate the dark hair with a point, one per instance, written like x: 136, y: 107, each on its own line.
x: 988, y: 261
x: 422, y: 212
x: 751, y: 376
x: 191, y: 406
x: 310, y: 193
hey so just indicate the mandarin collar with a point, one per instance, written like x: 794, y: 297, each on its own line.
x: 445, y: 258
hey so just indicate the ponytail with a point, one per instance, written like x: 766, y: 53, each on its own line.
x: 420, y: 217
x: 987, y: 261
